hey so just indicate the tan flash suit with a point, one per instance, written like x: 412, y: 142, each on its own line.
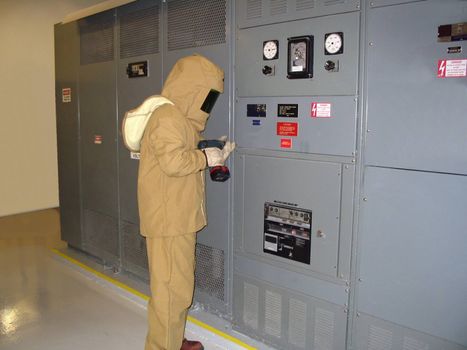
x: 171, y: 196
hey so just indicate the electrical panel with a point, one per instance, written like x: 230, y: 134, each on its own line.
x: 340, y: 226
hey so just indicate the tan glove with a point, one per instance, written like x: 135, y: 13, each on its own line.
x: 214, y: 156
x: 228, y: 148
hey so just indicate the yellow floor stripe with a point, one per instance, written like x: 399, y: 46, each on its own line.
x: 145, y: 297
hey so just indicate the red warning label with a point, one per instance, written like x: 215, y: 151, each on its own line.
x: 320, y: 110
x: 66, y: 95
x: 286, y: 143
x: 452, y: 68
x: 98, y: 139
x: 287, y: 129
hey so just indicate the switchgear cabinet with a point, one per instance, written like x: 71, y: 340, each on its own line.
x: 343, y: 224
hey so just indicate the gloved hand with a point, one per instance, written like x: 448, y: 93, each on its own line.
x: 228, y: 148
x: 214, y: 156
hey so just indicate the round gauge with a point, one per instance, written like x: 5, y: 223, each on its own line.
x: 333, y: 43
x: 270, y: 50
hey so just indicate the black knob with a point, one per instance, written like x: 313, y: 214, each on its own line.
x: 329, y: 65
x: 267, y: 70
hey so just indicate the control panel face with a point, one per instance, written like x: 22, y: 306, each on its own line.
x: 287, y: 232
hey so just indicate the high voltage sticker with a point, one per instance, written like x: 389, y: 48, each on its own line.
x: 452, y: 68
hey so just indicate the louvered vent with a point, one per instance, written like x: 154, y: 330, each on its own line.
x: 139, y: 32
x: 273, y: 313
x: 379, y: 339
x: 250, y: 305
x: 297, y: 323
x: 193, y: 23
x: 253, y: 9
x: 414, y: 344
x: 210, y: 271
x: 324, y: 329
x: 305, y: 5
x: 334, y: 2
x: 96, y: 38
x: 134, y: 246
x: 278, y: 7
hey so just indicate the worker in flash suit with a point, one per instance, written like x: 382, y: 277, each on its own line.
x: 171, y: 195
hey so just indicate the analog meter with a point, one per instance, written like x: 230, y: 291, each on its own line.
x: 270, y: 50
x: 334, y: 43
x: 300, y: 57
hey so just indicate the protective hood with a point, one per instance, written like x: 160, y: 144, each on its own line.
x: 189, y: 83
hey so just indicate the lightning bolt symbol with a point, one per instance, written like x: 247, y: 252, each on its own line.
x: 442, y: 68
x: 313, y: 109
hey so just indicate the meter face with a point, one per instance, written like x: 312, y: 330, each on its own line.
x: 270, y: 50
x: 299, y: 54
x: 333, y: 43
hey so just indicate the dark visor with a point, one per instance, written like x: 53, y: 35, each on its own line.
x: 210, y: 101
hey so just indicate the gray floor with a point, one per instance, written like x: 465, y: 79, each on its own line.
x: 48, y: 302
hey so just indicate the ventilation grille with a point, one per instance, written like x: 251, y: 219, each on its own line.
x: 134, y: 246
x: 100, y: 234
x: 193, y: 23
x: 250, y: 305
x: 278, y: 7
x: 273, y: 312
x: 379, y: 339
x: 253, y: 9
x: 96, y: 38
x: 305, y: 5
x: 139, y: 32
x: 324, y: 329
x: 334, y: 2
x: 414, y: 344
x: 297, y: 323
x: 210, y: 271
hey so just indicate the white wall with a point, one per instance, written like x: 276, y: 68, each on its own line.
x: 28, y: 163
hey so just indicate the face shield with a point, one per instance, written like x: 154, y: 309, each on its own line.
x: 210, y: 101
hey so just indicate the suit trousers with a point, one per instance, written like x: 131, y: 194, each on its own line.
x: 172, y: 279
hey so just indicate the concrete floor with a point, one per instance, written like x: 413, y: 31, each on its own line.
x: 48, y: 302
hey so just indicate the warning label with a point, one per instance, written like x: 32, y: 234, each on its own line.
x: 287, y: 129
x: 66, y: 95
x: 320, y: 110
x: 452, y: 68
x: 286, y: 143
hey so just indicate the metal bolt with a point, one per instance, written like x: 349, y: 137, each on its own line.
x: 345, y: 311
x: 372, y: 4
x: 347, y: 290
x: 358, y: 314
x: 365, y: 199
x: 371, y: 43
x: 342, y: 275
x: 360, y: 280
x: 346, y: 167
x: 353, y: 160
x: 368, y: 130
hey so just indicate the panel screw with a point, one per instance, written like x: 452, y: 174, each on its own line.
x: 365, y: 199
x: 345, y: 311
x: 372, y: 4
x: 360, y: 280
x: 346, y: 167
x: 371, y: 43
x: 347, y: 290
x: 368, y: 130
x: 358, y: 314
